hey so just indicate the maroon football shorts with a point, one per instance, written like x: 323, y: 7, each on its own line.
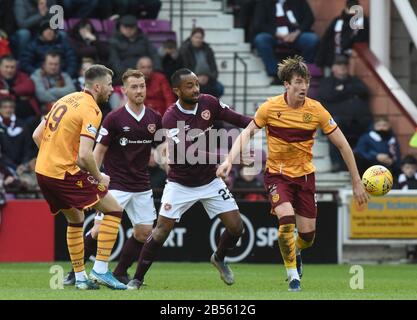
x: 300, y: 192
x: 79, y: 191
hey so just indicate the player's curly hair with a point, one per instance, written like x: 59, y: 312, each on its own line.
x: 293, y: 66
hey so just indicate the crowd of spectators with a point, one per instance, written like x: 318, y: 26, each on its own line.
x: 39, y: 65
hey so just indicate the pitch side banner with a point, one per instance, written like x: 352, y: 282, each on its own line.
x: 194, y: 238
x: 388, y: 217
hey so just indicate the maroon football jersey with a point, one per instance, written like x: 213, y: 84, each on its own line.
x: 180, y: 124
x: 130, y: 139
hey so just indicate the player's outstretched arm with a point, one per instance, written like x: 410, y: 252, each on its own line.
x: 87, y: 162
x: 38, y: 133
x: 338, y: 139
x: 237, y: 149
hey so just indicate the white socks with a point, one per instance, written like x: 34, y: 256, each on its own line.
x: 292, y: 274
x: 101, y: 266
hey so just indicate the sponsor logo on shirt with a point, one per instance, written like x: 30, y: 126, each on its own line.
x: 79, y: 184
x: 206, y: 115
x: 167, y: 207
x: 123, y: 142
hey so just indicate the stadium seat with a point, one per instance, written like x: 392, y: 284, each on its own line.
x: 148, y: 25
x: 158, y: 38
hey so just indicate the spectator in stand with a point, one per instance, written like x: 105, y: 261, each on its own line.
x: 129, y: 44
x: 7, y: 17
x: 246, y: 15
x: 285, y: 23
x: 26, y: 176
x: 407, y: 180
x: 84, y: 40
x: 248, y: 181
x: 16, y: 144
x: 49, y: 41
x: 346, y: 98
x: 142, y: 9
x: 51, y: 84
x: 79, y: 8
x: 18, y: 85
x: 378, y: 147
x: 340, y: 37
x: 6, y: 180
x: 198, y: 56
x: 159, y: 95
x: 169, y: 57
x: 4, y: 44
x: 29, y: 14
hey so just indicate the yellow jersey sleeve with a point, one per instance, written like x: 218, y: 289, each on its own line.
x: 327, y: 124
x: 91, y: 123
x: 261, y: 116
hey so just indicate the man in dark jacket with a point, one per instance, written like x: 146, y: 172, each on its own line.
x: 19, y: 86
x: 340, y: 37
x: 379, y: 147
x: 49, y: 41
x: 283, y: 22
x: 16, y: 143
x: 197, y: 55
x: 346, y: 98
x: 128, y: 45
x: 28, y: 14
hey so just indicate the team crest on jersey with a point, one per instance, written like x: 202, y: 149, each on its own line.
x: 206, y: 115
x: 123, y: 142
x: 79, y: 184
x: 275, y: 198
x: 307, y: 117
x: 101, y: 187
x: 167, y: 207
x: 152, y: 128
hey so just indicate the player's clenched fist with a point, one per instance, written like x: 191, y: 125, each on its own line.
x: 105, y: 180
x: 224, y: 169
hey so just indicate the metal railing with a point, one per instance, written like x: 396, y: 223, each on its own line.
x: 236, y: 58
x: 171, y: 17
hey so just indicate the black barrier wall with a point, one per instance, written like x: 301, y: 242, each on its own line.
x: 195, y: 236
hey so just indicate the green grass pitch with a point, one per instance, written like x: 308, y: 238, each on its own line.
x: 200, y: 281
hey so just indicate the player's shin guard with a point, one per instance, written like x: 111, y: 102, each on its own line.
x: 286, y: 242
x: 305, y: 240
x: 75, y: 243
x: 107, y: 235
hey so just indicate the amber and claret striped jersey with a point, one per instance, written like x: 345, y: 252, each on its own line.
x: 71, y: 117
x: 290, y: 134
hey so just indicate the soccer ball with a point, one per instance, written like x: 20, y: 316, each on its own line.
x: 377, y: 180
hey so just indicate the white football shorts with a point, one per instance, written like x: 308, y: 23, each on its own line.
x: 215, y: 197
x: 139, y: 206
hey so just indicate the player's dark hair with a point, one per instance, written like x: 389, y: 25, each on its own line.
x: 293, y: 66
x: 8, y: 57
x: 132, y: 73
x: 409, y: 159
x: 176, y: 77
x: 96, y: 71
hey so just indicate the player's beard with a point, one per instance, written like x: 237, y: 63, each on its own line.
x: 190, y: 100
